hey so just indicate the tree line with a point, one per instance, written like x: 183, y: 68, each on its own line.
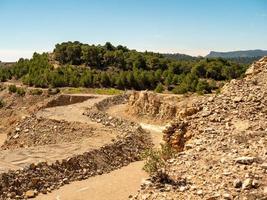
x: 84, y: 65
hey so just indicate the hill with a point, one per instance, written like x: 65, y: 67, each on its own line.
x: 74, y: 64
x: 179, y: 56
x: 237, y: 54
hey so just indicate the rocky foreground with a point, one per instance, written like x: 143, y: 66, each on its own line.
x: 222, y: 147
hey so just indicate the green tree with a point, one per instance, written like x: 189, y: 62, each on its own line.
x: 159, y: 88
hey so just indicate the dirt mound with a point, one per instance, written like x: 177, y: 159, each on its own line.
x: 34, y: 131
x: 160, y: 107
x: 224, y: 145
x: 17, y: 107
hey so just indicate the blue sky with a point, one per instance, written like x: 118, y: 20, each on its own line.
x: 187, y: 26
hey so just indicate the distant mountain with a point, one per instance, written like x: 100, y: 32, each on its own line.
x: 238, y: 54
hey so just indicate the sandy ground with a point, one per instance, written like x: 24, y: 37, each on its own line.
x: 18, y: 158
x: 2, y: 139
x: 73, y: 112
x: 117, y: 185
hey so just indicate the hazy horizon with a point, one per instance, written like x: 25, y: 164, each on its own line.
x: 188, y: 27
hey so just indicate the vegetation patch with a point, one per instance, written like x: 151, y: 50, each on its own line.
x: 36, y: 92
x: 155, y: 159
x: 106, y: 91
x: 2, y: 103
x: 18, y: 90
x: 107, y: 66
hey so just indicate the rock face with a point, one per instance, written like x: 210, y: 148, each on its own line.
x: 158, y: 106
x: 225, y: 144
x: 63, y: 100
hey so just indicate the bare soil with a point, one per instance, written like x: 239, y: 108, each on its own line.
x: 117, y: 185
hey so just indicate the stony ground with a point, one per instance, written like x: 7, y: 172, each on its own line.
x: 223, y: 147
x: 33, y: 131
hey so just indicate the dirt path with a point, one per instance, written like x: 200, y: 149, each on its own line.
x: 117, y: 185
x: 18, y: 158
x: 73, y: 112
x: 153, y: 127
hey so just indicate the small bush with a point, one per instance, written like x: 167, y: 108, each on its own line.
x: 2, y: 103
x: 53, y: 91
x: 36, y: 92
x: 159, y: 88
x: 12, y: 89
x: 2, y: 88
x: 21, y: 91
x: 155, y: 158
x: 203, y: 87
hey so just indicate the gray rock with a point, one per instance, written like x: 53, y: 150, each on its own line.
x: 245, y: 160
x: 237, y: 183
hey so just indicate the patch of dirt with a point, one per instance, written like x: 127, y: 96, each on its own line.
x: 116, y: 185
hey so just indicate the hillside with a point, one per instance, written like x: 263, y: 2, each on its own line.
x: 220, y: 147
x: 237, y: 54
x: 74, y: 64
x: 179, y: 56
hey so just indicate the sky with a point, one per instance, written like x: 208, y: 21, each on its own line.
x: 193, y: 27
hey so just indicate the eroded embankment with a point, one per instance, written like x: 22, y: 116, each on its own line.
x: 160, y: 107
x: 64, y: 100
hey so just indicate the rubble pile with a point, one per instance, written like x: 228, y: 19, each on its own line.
x: 33, y: 131
x: 224, y: 151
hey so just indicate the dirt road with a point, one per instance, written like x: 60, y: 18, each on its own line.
x: 18, y: 158
x: 117, y: 185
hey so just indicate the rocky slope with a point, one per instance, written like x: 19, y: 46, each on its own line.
x: 159, y: 106
x: 222, y: 149
x: 33, y: 131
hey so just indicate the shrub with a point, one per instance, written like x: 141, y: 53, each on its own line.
x: 155, y: 158
x: 12, y: 89
x: 2, y: 88
x: 21, y: 91
x: 36, y: 92
x: 2, y: 103
x: 159, y: 88
x: 203, y: 87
